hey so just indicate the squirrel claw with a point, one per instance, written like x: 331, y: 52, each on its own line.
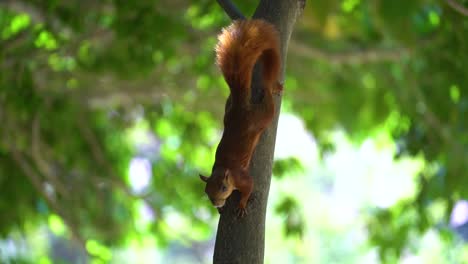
x: 241, y: 212
x: 278, y: 89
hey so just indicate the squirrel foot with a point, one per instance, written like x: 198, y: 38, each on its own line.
x: 241, y: 212
x: 278, y: 89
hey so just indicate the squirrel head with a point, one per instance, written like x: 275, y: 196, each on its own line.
x: 219, y: 186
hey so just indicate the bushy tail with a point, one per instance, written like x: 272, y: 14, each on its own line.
x: 240, y: 46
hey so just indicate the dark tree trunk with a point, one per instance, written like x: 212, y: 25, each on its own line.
x: 243, y: 240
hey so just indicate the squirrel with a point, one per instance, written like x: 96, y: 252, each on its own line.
x: 239, y: 47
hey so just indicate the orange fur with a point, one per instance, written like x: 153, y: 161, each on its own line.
x: 239, y: 47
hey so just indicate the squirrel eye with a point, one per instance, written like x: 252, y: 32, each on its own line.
x: 223, y: 188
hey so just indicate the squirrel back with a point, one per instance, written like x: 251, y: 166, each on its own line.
x: 240, y: 46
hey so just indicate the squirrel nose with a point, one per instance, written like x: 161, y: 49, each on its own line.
x: 218, y: 203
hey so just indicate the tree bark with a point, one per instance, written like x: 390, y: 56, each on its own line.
x: 243, y: 240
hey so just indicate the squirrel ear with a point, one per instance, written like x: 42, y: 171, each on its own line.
x: 226, y: 173
x: 203, y: 178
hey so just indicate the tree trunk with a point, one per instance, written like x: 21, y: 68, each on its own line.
x: 243, y: 240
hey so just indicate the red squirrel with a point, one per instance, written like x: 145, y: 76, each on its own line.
x: 239, y: 47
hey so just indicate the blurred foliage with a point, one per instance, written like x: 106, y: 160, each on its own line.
x: 81, y: 80
x: 289, y: 165
x: 289, y: 209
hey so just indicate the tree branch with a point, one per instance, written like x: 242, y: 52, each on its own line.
x: 231, y: 10
x: 118, y: 184
x: 42, y: 165
x: 36, y: 14
x: 457, y: 7
x: 441, y: 129
x: 37, y: 184
x: 93, y: 143
x: 22, y: 7
x: 354, y: 57
x: 99, y: 156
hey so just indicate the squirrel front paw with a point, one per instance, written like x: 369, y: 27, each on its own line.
x: 241, y: 212
x: 278, y: 89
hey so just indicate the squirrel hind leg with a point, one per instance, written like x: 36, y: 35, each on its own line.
x: 263, y: 112
x: 268, y: 66
x: 271, y: 73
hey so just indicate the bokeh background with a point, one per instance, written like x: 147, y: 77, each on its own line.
x: 109, y: 110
